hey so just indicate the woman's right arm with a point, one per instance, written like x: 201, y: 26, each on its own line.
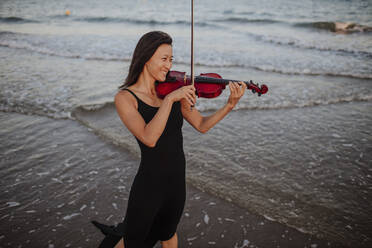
x: 149, y: 133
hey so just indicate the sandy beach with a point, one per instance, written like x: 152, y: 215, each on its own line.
x: 41, y: 207
x: 291, y: 168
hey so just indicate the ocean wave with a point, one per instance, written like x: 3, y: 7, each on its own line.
x: 14, y: 19
x: 46, y: 51
x: 307, y: 72
x: 12, y: 40
x: 292, y: 105
x: 271, y: 106
x: 292, y: 71
x: 49, y: 52
x: 296, y: 44
x: 70, y: 113
x: 94, y: 107
x: 104, y: 57
x: 104, y: 122
x: 247, y: 20
x: 8, y: 33
x: 32, y: 110
x: 337, y: 27
x: 103, y: 19
x: 31, y: 100
x: 311, y: 103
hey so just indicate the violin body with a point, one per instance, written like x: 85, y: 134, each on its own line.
x: 207, y: 85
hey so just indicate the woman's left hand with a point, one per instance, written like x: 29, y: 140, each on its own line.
x: 236, y: 92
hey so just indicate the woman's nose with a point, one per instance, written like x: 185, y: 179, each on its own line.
x: 168, y: 65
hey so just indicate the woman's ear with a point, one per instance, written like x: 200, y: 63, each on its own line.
x: 145, y: 67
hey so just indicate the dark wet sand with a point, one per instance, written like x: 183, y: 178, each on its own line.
x: 57, y: 176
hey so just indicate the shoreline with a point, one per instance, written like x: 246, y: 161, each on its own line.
x: 303, y: 209
x: 58, y: 205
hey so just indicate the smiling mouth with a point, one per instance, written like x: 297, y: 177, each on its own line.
x: 163, y: 76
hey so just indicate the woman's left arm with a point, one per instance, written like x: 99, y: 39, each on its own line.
x: 204, y: 123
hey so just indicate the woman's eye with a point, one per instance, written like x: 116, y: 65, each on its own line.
x: 165, y: 59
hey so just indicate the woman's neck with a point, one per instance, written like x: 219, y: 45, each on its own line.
x: 146, y: 84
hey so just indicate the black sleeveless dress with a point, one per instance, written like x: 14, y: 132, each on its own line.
x: 158, y: 193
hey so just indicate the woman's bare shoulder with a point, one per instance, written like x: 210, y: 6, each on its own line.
x: 125, y: 98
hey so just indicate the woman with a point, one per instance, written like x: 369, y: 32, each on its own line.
x: 157, y: 196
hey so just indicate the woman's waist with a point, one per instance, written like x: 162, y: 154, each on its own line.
x: 163, y: 162
x: 162, y: 150
x: 166, y: 158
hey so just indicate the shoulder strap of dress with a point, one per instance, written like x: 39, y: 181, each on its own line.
x: 132, y: 93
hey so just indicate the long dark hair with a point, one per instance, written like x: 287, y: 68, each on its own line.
x: 144, y: 50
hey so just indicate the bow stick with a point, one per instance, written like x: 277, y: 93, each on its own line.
x: 192, y: 45
x: 192, y: 42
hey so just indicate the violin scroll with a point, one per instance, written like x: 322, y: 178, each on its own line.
x: 255, y: 88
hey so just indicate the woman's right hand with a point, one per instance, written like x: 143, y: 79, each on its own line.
x: 185, y: 92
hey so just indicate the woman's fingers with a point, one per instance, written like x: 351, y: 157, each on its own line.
x: 237, y: 89
x: 236, y: 92
x: 243, y: 88
x: 240, y: 88
x: 190, y: 101
x: 187, y: 92
x: 232, y: 89
x: 190, y: 97
x: 190, y: 94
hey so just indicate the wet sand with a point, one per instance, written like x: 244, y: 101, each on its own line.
x: 305, y: 167
x: 57, y: 176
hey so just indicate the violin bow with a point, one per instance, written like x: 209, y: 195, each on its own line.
x: 192, y: 46
x: 192, y: 42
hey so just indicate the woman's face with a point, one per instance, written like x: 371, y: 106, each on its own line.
x: 160, y: 63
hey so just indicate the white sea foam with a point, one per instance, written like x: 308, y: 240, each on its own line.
x: 12, y: 204
x: 68, y: 217
x: 206, y: 219
x: 192, y: 238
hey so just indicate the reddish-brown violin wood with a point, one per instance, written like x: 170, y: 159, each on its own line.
x: 207, y: 85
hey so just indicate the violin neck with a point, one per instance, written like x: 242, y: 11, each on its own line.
x: 212, y: 80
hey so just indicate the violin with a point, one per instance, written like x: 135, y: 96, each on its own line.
x: 207, y: 85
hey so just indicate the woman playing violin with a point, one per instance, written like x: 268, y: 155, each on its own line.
x: 158, y: 193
